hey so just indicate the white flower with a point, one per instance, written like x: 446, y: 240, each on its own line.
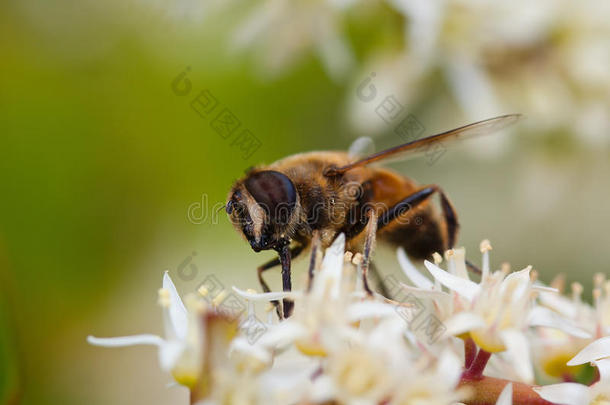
x: 179, y: 351
x: 543, y: 58
x: 346, y: 347
x: 598, y: 354
x: 495, y: 312
x: 280, y: 32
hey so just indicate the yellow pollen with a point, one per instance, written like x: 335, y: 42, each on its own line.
x: 534, y: 275
x: 357, y: 260
x: 219, y: 298
x: 485, y: 246
x: 449, y: 254
x: 505, y: 268
x: 203, y: 290
x: 347, y: 257
x: 164, y: 299
x: 438, y: 259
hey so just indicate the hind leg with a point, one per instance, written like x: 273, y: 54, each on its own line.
x: 425, y: 235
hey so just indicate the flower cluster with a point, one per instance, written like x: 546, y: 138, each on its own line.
x: 502, y: 337
x: 547, y: 59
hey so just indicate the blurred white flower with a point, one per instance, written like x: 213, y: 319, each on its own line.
x: 544, y: 59
x: 179, y: 351
x: 598, y: 354
x: 495, y: 313
x: 280, y: 33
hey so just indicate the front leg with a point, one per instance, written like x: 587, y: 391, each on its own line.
x: 292, y: 252
x: 369, y: 242
x: 285, y: 260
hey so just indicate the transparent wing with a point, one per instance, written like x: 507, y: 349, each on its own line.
x: 419, y: 146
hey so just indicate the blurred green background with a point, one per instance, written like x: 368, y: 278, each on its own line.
x: 100, y: 161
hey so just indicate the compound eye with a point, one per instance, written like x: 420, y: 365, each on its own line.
x: 274, y: 192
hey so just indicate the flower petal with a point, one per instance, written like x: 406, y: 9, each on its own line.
x: 506, y: 396
x: 449, y: 368
x: 270, y: 296
x: 519, y: 353
x: 594, y: 351
x: 169, y: 353
x: 282, y: 334
x: 463, y: 322
x: 332, y: 269
x: 565, y: 393
x: 603, y: 366
x: 519, y: 282
x: 465, y: 288
x: 369, y: 309
x: 418, y: 279
x: 122, y: 341
x: 177, y: 312
x: 541, y: 316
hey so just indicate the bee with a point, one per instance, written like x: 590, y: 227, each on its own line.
x: 308, y: 199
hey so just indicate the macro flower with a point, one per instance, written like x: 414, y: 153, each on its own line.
x: 543, y: 58
x: 495, y: 313
x: 179, y: 351
x: 283, y: 32
x: 598, y: 354
x: 344, y: 346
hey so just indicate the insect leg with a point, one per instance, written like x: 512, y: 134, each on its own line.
x: 315, y: 249
x: 284, y: 253
x: 294, y: 252
x: 369, y: 241
x: 413, y: 200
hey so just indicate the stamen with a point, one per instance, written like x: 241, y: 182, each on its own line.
x: 347, y: 257
x: 438, y: 259
x: 164, y: 298
x: 219, y: 298
x: 577, y: 290
x: 203, y: 291
x: 607, y: 289
x: 485, y: 246
x: 598, y: 279
x: 450, y: 256
x: 559, y: 282
x: 597, y: 293
x: 533, y: 275
x: 250, y: 303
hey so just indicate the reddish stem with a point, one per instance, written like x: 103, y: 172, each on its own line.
x: 470, y: 352
x: 475, y: 371
x: 486, y: 390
